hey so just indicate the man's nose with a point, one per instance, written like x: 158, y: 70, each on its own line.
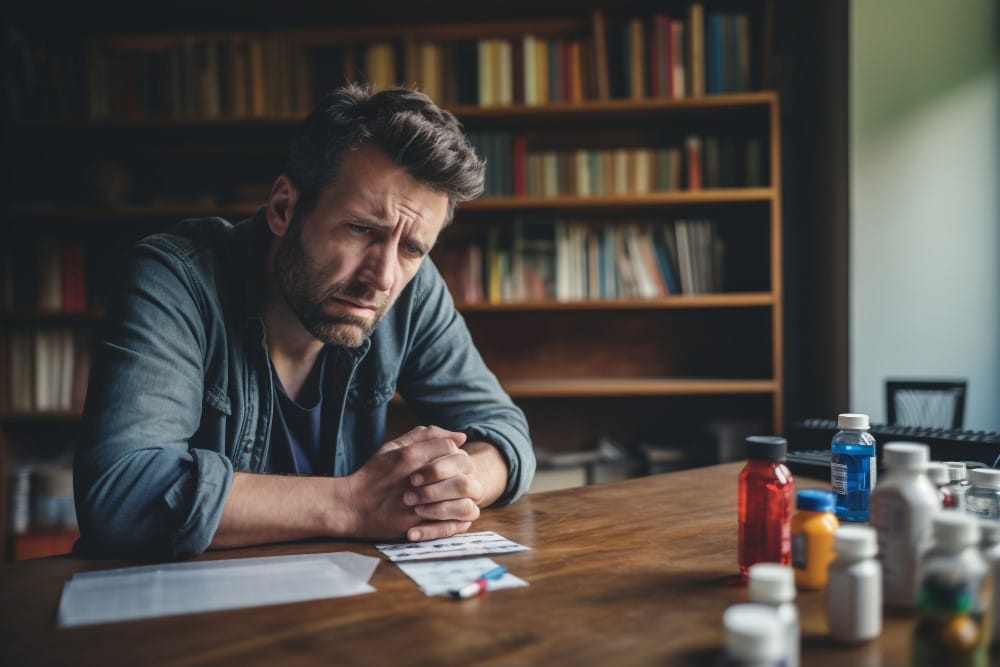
x: 379, y: 269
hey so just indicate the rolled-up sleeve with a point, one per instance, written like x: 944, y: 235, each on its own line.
x: 448, y: 384
x: 141, y: 489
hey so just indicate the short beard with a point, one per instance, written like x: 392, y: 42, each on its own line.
x: 302, y: 290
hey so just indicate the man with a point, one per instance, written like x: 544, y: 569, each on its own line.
x: 241, y: 392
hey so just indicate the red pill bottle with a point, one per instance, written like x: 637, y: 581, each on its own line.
x: 765, y: 499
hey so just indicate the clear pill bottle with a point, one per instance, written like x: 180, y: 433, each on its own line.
x: 937, y: 472
x: 959, y: 482
x: 983, y: 496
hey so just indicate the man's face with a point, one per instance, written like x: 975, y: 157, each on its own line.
x: 341, y: 266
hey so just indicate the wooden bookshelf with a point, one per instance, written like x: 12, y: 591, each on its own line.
x: 663, y: 363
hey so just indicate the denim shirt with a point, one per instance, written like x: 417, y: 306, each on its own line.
x: 181, y: 395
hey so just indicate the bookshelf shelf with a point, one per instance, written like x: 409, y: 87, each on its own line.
x: 616, y: 387
x: 745, y: 300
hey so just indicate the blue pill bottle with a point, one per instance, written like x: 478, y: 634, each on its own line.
x: 852, y: 466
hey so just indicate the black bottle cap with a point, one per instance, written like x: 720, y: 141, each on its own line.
x: 766, y: 447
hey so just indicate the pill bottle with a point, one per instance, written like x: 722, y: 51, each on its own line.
x: 774, y: 585
x: 854, y: 588
x: 813, y: 525
x: 852, y: 466
x: 765, y: 492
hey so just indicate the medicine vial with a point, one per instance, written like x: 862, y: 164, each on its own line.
x: 765, y: 493
x: 813, y: 525
x: 852, y: 466
x: 774, y: 585
x: 959, y: 482
x: 937, y: 473
x: 903, y: 507
x: 754, y: 636
x: 983, y: 496
x: 854, y: 589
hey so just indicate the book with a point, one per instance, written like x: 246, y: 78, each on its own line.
x: 601, y: 66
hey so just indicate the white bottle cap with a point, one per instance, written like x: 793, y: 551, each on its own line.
x: 852, y: 420
x: 989, y: 531
x: 937, y: 472
x: 754, y: 632
x: 771, y: 583
x: 855, y: 541
x: 988, y: 477
x: 906, y: 455
x: 955, y: 530
x: 957, y: 471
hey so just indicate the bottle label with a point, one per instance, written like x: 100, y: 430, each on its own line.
x: 800, y: 551
x: 838, y: 478
x: 872, y: 472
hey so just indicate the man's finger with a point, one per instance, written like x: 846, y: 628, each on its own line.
x: 423, y: 433
x: 433, y: 530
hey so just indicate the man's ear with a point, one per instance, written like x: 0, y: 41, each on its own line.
x: 281, y: 205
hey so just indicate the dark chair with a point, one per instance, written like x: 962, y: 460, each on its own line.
x: 927, y: 403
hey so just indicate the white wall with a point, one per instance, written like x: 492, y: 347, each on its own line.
x: 925, y: 199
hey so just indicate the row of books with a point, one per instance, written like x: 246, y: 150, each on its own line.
x: 41, y: 498
x: 47, y: 369
x: 250, y: 75
x: 515, y: 169
x: 51, y: 277
x: 576, y: 261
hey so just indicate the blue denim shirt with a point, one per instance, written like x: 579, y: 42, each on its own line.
x: 181, y: 396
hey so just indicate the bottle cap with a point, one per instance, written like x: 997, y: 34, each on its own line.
x: 957, y: 471
x: 988, y: 477
x: 989, y: 532
x: 955, y: 530
x: 855, y: 541
x: 906, y: 455
x: 937, y: 472
x: 767, y: 447
x: 770, y: 583
x: 815, y: 500
x: 852, y: 420
x: 753, y: 631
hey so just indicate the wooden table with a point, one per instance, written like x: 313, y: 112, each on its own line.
x: 631, y: 573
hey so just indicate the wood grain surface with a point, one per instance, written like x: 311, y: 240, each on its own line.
x: 631, y: 573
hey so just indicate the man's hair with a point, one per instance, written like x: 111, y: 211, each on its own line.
x: 419, y: 136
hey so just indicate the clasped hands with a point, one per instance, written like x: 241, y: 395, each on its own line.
x: 422, y: 485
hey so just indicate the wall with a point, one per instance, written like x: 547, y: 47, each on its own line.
x: 924, y: 284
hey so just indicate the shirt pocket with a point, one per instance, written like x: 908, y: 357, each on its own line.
x: 370, y: 396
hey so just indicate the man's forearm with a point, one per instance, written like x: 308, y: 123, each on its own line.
x: 280, y: 508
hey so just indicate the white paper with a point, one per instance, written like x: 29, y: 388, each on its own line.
x: 465, y: 544
x: 183, y: 588
x: 440, y: 577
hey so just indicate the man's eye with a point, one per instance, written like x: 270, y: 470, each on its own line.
x: 413, y: 250
x: 360, y: 229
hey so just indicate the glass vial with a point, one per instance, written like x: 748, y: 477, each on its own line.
x: 937, y: 472
x: 765, y: 492
x: 959, y: 482
x: 852, y: 466
x: 983, y: 496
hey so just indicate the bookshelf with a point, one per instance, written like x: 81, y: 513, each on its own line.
x: 147, y: 123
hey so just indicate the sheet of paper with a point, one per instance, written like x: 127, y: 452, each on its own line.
x: 182, y: 588
x: 466, y: 544
x: 440, y: 577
